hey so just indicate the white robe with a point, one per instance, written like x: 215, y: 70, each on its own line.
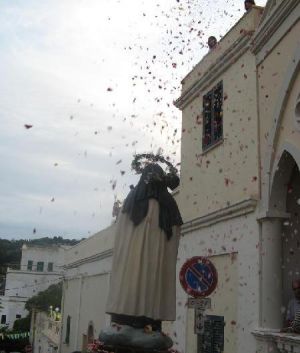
x: 143, y: 279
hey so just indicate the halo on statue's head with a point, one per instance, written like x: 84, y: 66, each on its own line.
x: 141, y: 160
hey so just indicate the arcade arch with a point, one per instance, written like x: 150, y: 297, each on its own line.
x: 280, y: 239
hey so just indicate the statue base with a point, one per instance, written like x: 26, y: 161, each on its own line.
x: 120, y: 349
x: 124, y: 338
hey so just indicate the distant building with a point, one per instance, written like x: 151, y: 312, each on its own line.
x: 40, y: 267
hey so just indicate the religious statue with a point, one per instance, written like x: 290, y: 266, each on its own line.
x: 143, y: 279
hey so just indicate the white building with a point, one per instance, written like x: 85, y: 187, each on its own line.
x: 40, y: 267
x: 85, y: 290
x: 239, y: 193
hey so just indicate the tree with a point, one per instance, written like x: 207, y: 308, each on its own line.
x: 22, y: 325
x: 42, y: 301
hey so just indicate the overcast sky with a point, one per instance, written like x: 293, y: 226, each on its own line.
x: 96, y: 80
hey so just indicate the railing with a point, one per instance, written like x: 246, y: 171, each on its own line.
x: 276, y: 342
x: 14, y: 267
x: 52, y: 330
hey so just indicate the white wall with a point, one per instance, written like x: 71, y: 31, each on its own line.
x: 85, y: 288
x: 233, y: 246
x: 25, y: 284
x: 53, y: 254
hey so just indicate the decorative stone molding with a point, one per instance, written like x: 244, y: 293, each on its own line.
x: 271, y: 4
x: 232, y: 54
x: 89, y: 259
x: 272, y: 214
x: 238, y: 209
x: 37, y: 273
x: 274, y: 19
x: 285, y: 342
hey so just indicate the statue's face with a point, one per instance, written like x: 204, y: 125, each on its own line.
x: 248, y: 5
x: 152, y: 172
x: 212, y: 42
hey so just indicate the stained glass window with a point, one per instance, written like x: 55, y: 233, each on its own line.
x: 213, y: 116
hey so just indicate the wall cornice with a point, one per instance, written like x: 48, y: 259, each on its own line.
x: 232, y: 54
x: 89, y: 259
x: 271, y: 23
x: 267, y: 215
x: 34, y: 273
x: 236, y: 210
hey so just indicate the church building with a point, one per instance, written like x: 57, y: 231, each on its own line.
x: 240, y: 184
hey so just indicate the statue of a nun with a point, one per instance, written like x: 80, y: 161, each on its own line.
x: 143, y: 279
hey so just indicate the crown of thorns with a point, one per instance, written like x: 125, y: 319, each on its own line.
x: 139, y: 165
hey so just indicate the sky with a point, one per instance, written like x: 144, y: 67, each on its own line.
x: 84, y: 85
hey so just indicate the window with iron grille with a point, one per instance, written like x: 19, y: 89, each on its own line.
x: 50, y: 266
x: 213, y: 117
x: 29, y: 265
x: 40, y: 266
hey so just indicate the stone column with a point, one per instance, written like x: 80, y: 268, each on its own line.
x: 271, y: 272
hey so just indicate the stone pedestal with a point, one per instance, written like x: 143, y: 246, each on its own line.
x: 129, y: 350
x: 124, y: 338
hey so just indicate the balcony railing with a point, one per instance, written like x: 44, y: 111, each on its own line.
x: 52, y: 330
x: 276, y: 342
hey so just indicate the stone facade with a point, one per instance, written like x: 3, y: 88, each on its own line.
x: 240, y: 197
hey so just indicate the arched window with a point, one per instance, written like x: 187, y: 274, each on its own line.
x: 285, y: 200
x: 291, y: 237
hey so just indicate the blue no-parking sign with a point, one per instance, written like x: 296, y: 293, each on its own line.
x: 198, y: 277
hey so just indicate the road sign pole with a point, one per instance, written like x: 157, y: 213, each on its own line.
x: 198, y: 277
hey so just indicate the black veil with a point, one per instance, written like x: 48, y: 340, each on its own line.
x: 153, y: 184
